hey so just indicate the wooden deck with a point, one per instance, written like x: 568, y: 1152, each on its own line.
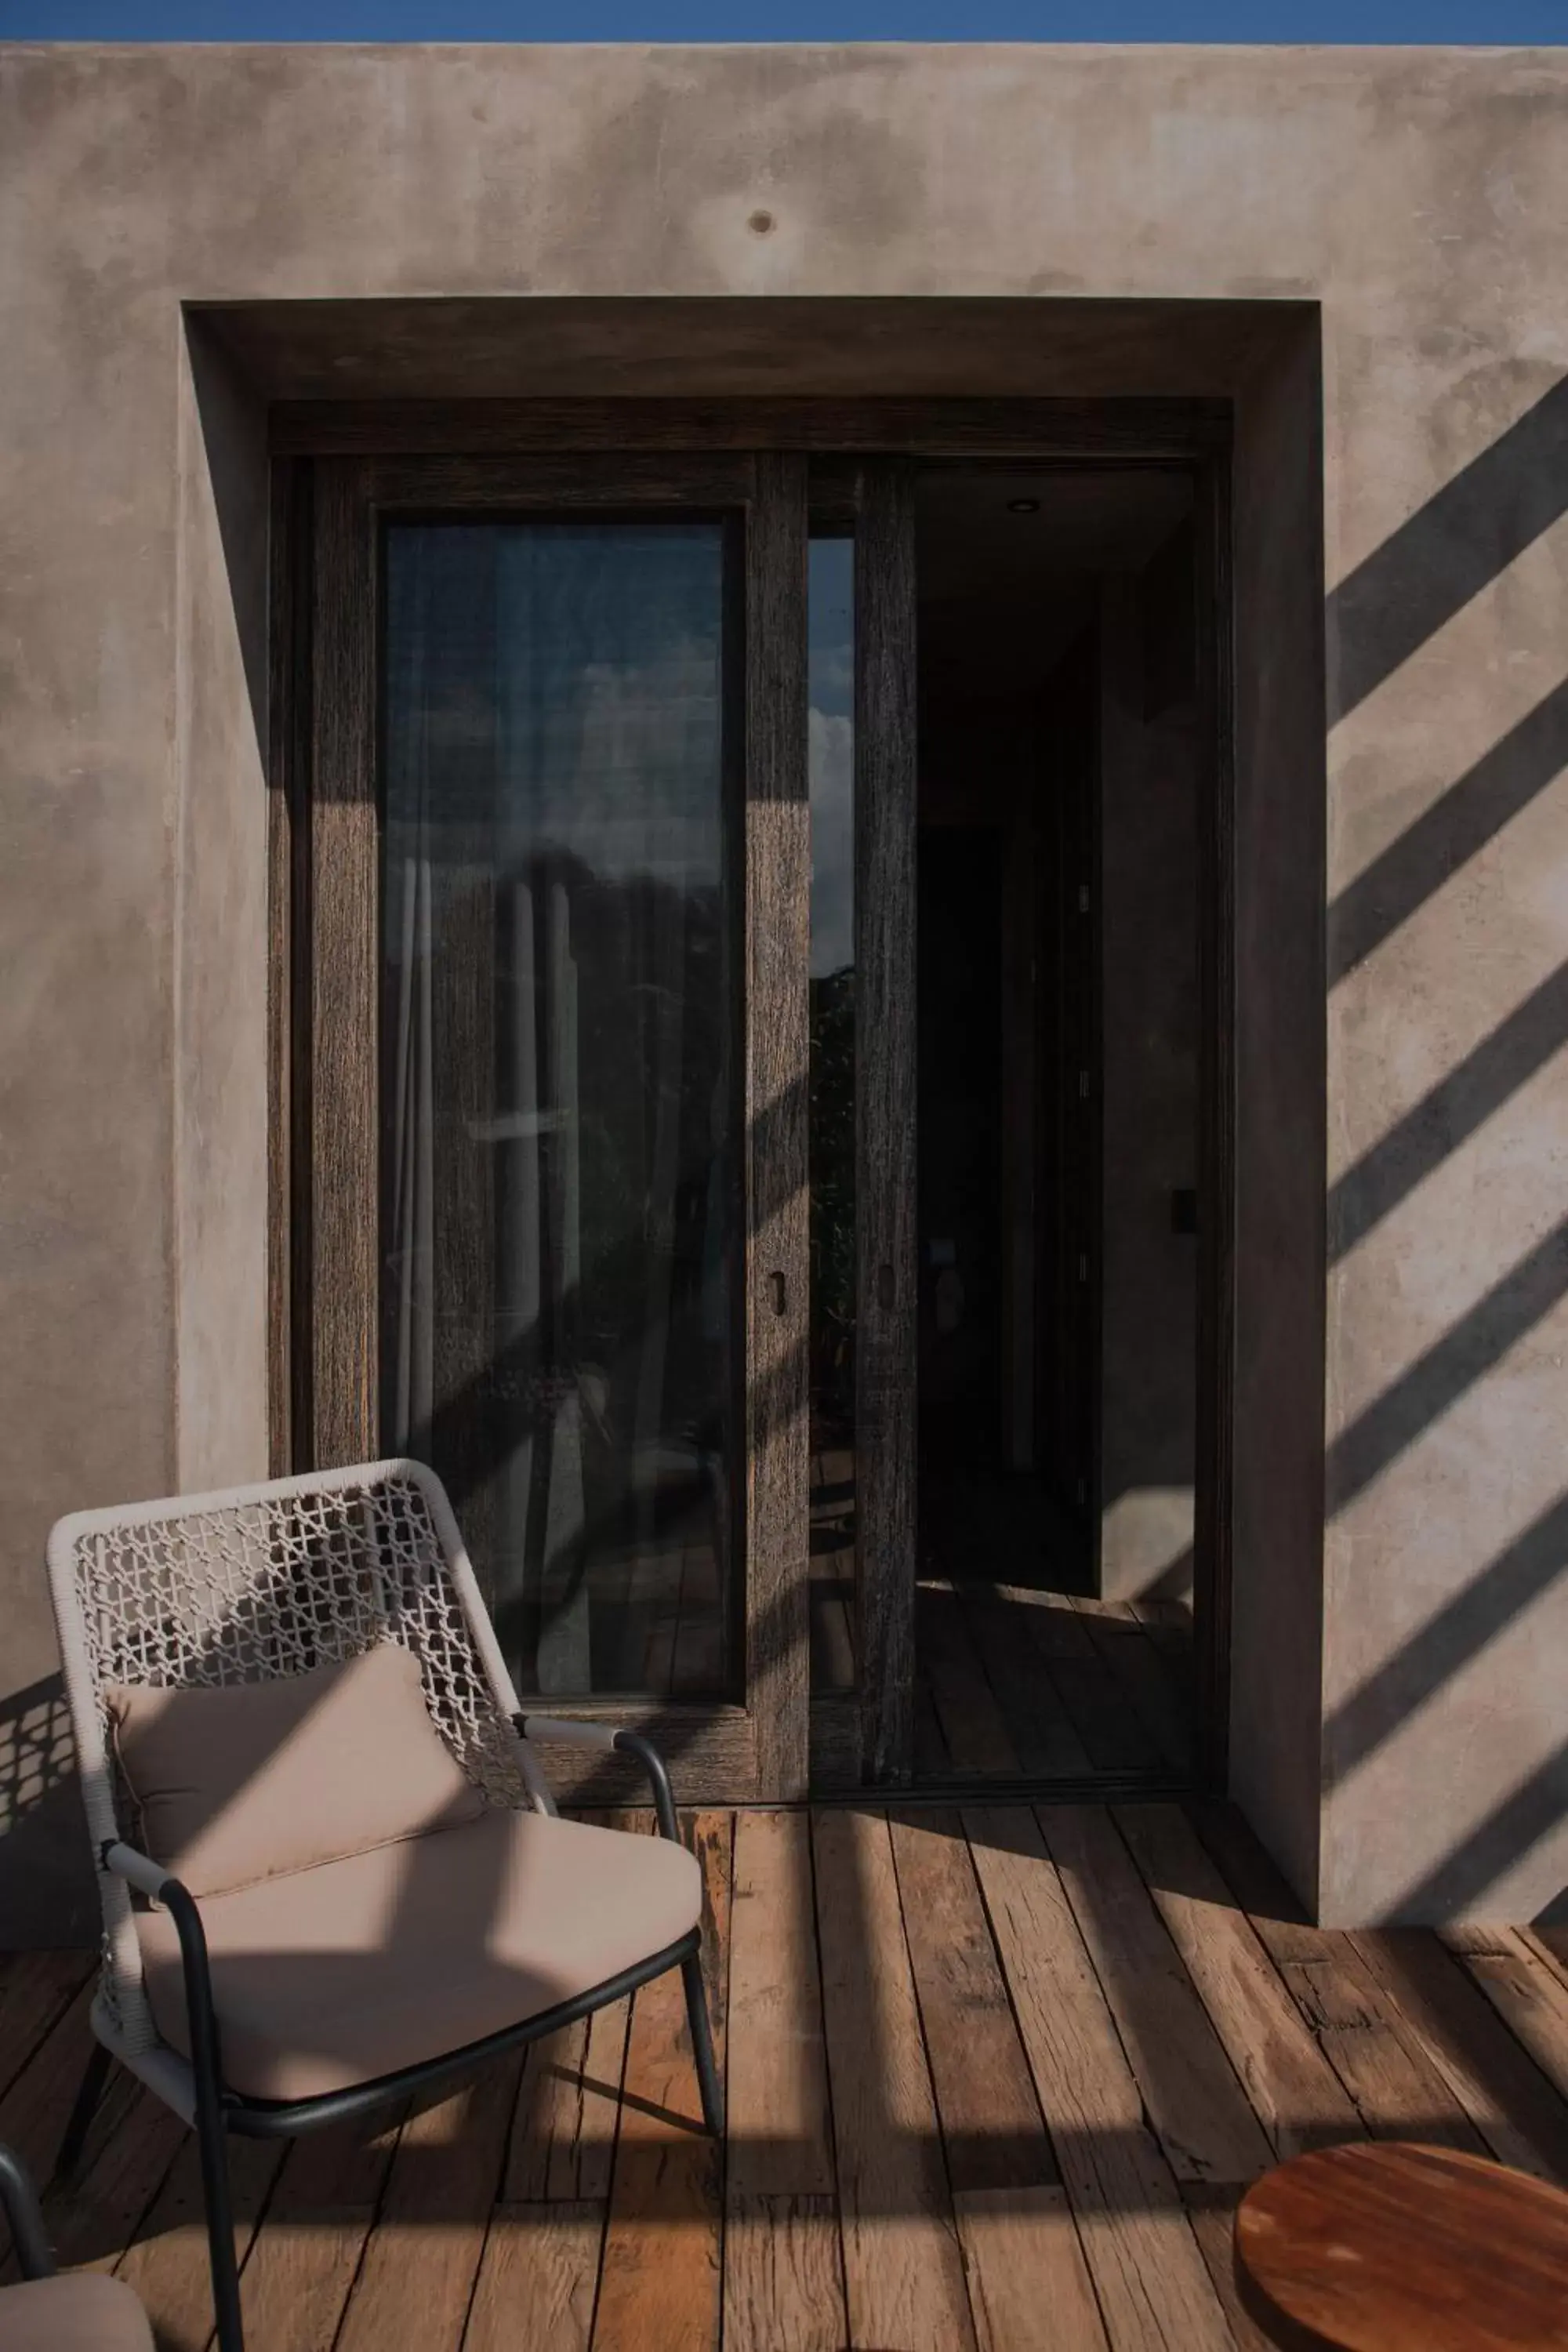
x: 996, y: 2079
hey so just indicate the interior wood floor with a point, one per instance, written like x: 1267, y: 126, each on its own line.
x: 1011, y: 1682
x: 996, y: 2079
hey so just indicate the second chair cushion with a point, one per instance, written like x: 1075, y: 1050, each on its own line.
x: 250, y: 1781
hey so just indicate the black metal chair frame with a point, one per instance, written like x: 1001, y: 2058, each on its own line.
x: 219, y: 2112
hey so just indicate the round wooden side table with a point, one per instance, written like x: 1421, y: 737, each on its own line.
x: 1395, y: 2248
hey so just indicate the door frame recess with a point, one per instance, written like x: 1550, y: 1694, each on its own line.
x: 840, y: 437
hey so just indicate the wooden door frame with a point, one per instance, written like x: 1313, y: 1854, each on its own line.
x: 836, y: 435
x: 1212, y: 1557
x: 327, y: 1030
x: 885, y: 1248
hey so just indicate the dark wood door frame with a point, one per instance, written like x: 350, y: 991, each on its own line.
x: 530, y: 441
x: 885, y: 1111
x: 327, y: 951
x: 1212, y: 1530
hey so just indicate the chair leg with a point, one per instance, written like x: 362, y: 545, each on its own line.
x: 213, y: 2142
x: 94, y: 2076
x: 702, y: 2047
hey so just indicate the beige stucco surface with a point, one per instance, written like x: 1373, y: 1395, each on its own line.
x: 1419, y: 198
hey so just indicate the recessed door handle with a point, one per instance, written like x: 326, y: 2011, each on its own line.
x: 780, y: 1293
x: 885, y: 1288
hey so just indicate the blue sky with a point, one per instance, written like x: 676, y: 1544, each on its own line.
x: 787, y: 20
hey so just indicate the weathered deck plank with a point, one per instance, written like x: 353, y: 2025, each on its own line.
x: 1520, y: 2114
x: 903, y: 2270
x: 434, y: 2216
x: 1113, y: 1736
x: 167, y: 2262
x: 1153, y: 2288
x: 1190, y: 2088
x: 1042, y: 1733
x: 976, y: 1737
x: 1381, y: 2059
x: 992, y: 2127
x: 297, y: 2282
x: 783, y: 2276
x: 34, y: 2109
x: 537, y: 2280
x: 1523, y: 1985
x: 1298, y: 2098
x: 1152, y: 1692
x: 1027, y: 2271
x: 660, y: 2284
x: 36, y: 1990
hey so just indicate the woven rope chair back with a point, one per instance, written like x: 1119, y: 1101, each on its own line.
x: 257, y: 1582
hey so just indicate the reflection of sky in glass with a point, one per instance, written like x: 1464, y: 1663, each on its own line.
x: 831, y: 687
x: 571, y: 674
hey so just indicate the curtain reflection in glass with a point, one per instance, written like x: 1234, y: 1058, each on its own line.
x: 559, y: 1193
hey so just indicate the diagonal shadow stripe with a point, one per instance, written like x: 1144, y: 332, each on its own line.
x: 1394, y: 1419
x: 1477, y: 806
x: 1454, y: 1108
x: 1445, y: 1643
x: 1460, y: 541
x: 1507, y: 1834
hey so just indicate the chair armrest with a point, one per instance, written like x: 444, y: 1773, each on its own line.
x: 161, y: 1886
x: 19, y: 2200
x: 138, y: 1870
x: 606, y: 1738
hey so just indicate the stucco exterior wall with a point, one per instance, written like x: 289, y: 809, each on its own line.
x: 1397, y: 1726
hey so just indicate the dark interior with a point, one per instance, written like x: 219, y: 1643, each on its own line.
x: 1014, y: 573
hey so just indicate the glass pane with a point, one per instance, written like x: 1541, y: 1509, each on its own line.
x: 559, y: 1145
x: 831, y: 681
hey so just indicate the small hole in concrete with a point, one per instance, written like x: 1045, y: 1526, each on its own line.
x: 760, y: 224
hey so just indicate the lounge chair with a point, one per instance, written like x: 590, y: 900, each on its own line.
x: 330, y: 1867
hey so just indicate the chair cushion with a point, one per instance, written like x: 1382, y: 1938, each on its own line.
x: 80, y: 2311
x: 337, y: 1975
x: 238, y: 1784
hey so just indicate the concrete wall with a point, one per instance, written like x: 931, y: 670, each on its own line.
x: 219, y: 820
x: 596, y: 215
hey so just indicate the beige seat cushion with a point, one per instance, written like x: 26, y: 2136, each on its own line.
x: 79, y: 2313
x: 336, y: 1975
x: 238, y: 1784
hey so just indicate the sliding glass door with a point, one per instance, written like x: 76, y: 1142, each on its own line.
x: 558, y: 1230
x: 604, y: 1109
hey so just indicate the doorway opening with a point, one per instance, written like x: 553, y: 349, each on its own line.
x: 758, y: 1089
x: 1058, y: 895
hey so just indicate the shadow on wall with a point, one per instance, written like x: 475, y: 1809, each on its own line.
x: 47, y: 1896
x: 234, y: 439
x: 1407, y: 589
